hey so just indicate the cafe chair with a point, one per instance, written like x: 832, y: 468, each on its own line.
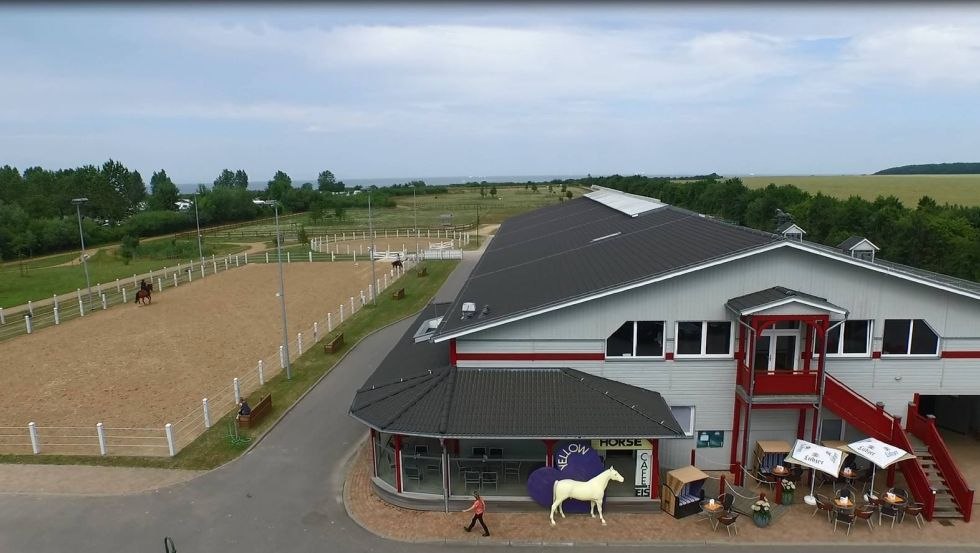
x: 413, y: 473
x: 728, y: 521
x: 488, y: 479
x: 890, y: 511
x: 727, y: 500
x: 844, y: 517
x: 866, y: 513
x: 471, y: 479
x: 512, y: 469
x: 915, y: 511
x: 824, y: 504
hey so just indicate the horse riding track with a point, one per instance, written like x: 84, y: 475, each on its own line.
x: 144, y: 366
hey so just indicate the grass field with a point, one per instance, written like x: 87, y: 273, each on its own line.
x: 41, y: 278
x: 953, y: 189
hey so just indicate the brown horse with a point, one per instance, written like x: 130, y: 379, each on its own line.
x: 145, y: 295
x: 396, y: 264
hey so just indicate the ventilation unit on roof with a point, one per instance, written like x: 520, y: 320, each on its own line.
x: 469, y: 308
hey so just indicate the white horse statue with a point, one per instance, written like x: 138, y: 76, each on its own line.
x: 591, y: 491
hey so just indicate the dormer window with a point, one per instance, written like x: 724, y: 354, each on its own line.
x: 791, y: 231
x: 859, y: 247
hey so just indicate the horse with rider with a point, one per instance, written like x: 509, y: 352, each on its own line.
x: 145, y: 294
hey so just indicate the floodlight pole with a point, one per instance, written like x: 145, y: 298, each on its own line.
x: 374, y: 279
x: 197, y: 219
x: 282, y: 294
x: 78, y: 211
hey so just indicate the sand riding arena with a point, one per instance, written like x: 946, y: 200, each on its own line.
x: 140, y: 367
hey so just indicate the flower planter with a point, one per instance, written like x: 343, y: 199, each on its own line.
x: 787, y: 498
x: 761, y: 520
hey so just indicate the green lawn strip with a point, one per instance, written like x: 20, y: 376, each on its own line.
x: 104, y: 267
x: 213, y: 448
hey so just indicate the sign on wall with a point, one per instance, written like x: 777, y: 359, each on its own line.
x: 621, y: 443
x: 644, y: 464
x: 711, y: 438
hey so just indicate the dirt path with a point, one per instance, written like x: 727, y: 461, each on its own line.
x: 145, y: 366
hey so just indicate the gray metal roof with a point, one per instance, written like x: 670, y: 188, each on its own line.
x: 579, y: 248
x: 852, y: 241
x: 773, y: 295
x: 414, y: 391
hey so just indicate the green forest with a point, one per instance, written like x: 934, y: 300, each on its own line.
x: 37, y: 215
x: 934, y: 169
x: 940, y: 238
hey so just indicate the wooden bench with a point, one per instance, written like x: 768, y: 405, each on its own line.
x: 261, y: 409
x: 424, y: 271
x: 334, y: 345
x: 399, y: 294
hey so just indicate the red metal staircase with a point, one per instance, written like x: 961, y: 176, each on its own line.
x: 932, y: 478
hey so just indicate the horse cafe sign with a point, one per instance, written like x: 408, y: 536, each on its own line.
x: 621, y: 443
x: 641, y: 482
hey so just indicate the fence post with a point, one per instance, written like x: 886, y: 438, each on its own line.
x: 311, y: 256
x: 160, y: 283
x: 27, y: 323
x: 214, y: 267
x: 386, y: 281
x: 355, y: 257
x: 329, y: 322
x: 236, y: 261
x: 352, y: 309
x: 363, y: 300
x: 341, y: 313
x: 124, y: 295
x: 238, y: 390
x: 246, y: 258
x: 282, y: 357
x: 3, y: 320
x: 81, y: 308
x: 332, y: 258
x: 371, y: 291
x: 207, y: 413
x: 190, y: 275
x: 175, y: 279
x: 202, y: 269
x: 30, y: 307
x: 316, y: 332
x: 266, y: 257
x: 100, y: 430
x: 289, y: 257
x: 105, y: 305
x: 35, y: 443
x: 261, y: 373
x: 117, y: 285
x: 57, y: 318
x: 78, y: 292
x: 168, y: 429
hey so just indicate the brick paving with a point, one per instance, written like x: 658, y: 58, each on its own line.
x: 795, y: 527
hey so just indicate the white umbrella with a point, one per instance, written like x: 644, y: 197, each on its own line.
x: 824, y: 459
x: 879, y: 453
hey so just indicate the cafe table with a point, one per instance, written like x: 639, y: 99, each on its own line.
x: 712, y: 511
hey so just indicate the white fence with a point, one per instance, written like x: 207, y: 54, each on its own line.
x: 338, y: 243
x: 171, y: 438
x: 441, y: 254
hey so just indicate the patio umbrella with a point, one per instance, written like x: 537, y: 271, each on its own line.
x: 818, y: 457
x: 879, y: 453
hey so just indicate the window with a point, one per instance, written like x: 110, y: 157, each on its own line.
x: 703, y: 338
x: 856, y: 342
x: 637, y: 339
x: 685, y: 417
x: 909, y: 337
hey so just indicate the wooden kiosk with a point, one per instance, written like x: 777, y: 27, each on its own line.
x: 682, y: 491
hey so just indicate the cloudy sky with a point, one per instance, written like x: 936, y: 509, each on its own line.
x: 403, y: 90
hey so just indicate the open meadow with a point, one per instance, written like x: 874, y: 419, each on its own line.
x: 953, y: 189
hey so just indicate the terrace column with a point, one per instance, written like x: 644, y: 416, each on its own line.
x: 655, y: 469
x: 398, y: 463
x: 549, y: 459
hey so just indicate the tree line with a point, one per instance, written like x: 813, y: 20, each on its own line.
x: 37, y: 215
x: 940, y: 238
x: 933, y: 169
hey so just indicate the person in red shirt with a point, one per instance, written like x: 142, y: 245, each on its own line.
x: 478, y: 507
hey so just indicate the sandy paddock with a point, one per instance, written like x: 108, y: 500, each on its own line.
x: 144, y: 366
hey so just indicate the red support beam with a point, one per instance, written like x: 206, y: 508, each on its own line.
x: 801, y: 424
x: 736, y: 428
x: 453, y: 356
x: 374, y: 453
x: 549, y: 458
x: 655, y: 469
x: 398, y: 463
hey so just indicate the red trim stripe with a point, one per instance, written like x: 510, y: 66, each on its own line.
x: 530, y: 356
x: 961, y: 354
x: 876, y: 355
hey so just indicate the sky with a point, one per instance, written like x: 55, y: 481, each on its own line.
x: 415, y: 90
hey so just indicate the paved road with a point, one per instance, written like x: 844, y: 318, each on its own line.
x: 284, y: 495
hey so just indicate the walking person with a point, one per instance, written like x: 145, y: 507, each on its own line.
x: 478, y: 507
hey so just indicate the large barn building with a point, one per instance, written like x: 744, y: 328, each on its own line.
x: 654, y: 331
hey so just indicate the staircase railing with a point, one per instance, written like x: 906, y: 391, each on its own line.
x: 924, y: 428
x: 873, y: 420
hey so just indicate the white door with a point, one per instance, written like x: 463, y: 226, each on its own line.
x: 778, y: 350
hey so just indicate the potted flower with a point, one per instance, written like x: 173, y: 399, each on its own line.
x: 761, y: 513
x: 789, y: 488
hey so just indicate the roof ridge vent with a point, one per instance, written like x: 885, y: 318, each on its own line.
x: 617, y: 233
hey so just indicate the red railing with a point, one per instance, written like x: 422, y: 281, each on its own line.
x: 924, y: 428
x: 785, y: 383
x: 873, y: 420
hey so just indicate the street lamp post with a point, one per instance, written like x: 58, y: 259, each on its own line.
x: 374, y: 279
x: 197, y: 219
x: 282, y: 292
x: 78, y: 211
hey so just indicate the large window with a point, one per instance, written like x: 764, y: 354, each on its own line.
x: 637, y: 339
x: 856, y: 341
x: 909, y: 337
x: 685, y: 417
x: 703, y: 338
